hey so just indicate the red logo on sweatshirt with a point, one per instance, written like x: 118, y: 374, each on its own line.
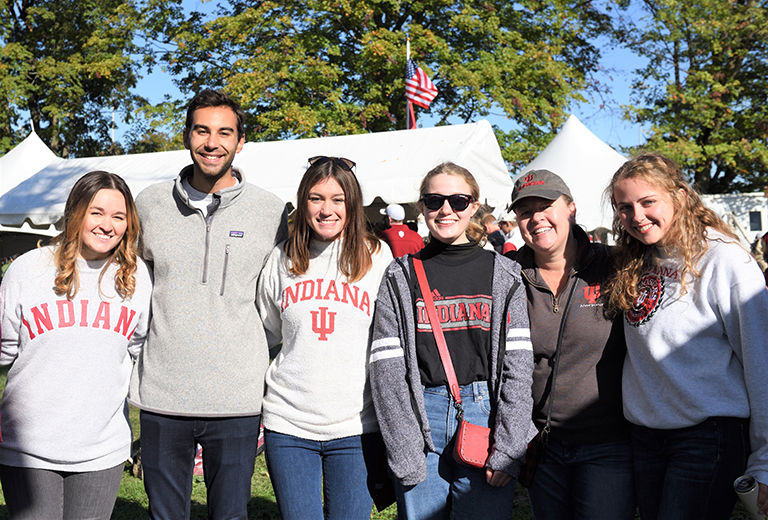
x: 326, y: 324
x: 649, y: 299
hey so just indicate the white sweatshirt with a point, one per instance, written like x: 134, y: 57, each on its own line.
x: 703, y: 354
x: 317, y: 387
x: 64, y: 405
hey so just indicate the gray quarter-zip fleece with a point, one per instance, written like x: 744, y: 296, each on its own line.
x: 206, y: 352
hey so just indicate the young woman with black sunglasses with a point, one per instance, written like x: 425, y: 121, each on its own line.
x: 482, y: 308
x: 316, y: 294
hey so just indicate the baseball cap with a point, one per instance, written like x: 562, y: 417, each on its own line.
x: 539, y: 183
x: 394, y: 211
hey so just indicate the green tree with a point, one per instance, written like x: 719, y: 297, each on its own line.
x: 308, y: 68
x: 65, y: 65
x: 704, y: 88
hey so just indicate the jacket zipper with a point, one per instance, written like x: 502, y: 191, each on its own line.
x: 555, y: 299
x: 224, y: 271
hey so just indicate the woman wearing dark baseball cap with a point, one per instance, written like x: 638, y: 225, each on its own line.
x: 586, y: 470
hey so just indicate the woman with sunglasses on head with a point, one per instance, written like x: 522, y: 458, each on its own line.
x: 74, y: 316
x: 586, y: 468
x: 316, y: 294
x: 485, y: 326
x: 694, y: 380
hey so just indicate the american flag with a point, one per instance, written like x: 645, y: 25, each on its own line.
x: 418, y: 87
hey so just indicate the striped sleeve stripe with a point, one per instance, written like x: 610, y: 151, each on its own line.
x: 385, y: 348
x: 386, y: 354
x: 519, y: 339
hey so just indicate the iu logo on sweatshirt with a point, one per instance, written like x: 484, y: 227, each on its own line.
x: 323, y: 322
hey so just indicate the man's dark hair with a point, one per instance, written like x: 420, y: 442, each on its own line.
x: 215, y: 98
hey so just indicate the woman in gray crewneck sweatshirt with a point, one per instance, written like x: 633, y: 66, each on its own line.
x: 74, y: 316
x: 696, y: 371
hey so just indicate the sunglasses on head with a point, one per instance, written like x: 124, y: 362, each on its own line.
x: 341, y: 162
x: 458, y: 201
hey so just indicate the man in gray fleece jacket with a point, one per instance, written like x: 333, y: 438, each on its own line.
x: 200, y: 377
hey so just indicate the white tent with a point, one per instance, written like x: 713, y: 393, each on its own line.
x: 27, y: 158
x: 586, y: 164
x: 390, y: 165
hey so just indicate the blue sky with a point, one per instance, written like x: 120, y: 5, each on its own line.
x: 602, y: 116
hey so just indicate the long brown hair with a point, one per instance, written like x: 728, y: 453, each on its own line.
x: 687, y: 231
x: 359, y: 243
x: 69, y: 242
x: 474, y: 230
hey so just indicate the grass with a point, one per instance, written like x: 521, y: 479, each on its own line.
x: 132, y: 500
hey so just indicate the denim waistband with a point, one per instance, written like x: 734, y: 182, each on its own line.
x: 473, y: 390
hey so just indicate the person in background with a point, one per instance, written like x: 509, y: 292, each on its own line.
x: 513, y: 239
x: 760, y: 252
x: 493, y: 231
x: 694, y: 305
x: 399, y: 237
x: 487, y: 336
x: 586, y: 469
x: 321, y: 434
x: 74, y: 316
x: 200, y: 378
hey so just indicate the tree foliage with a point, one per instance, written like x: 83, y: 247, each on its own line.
x: 309, y: 68
x: 65, y: 65
x: 704, y: 89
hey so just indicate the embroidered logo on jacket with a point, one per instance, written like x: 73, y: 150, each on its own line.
x: 236, y: 234
x: 592, y: 293
x: 649, y: 299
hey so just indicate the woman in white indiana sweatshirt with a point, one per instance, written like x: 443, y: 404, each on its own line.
x: 316, y: 294
x: 74, y: 314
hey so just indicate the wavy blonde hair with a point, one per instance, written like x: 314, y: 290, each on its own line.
x: 69, y: 243
x: 474, y: 230
x: 687, y: 231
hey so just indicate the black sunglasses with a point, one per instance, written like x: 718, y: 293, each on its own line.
x: 458, y: 201
x: 341, y: 162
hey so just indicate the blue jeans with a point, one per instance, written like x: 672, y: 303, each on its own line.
x: 168, y: 445
x: 32, y: 494
x: 688, y: 473
x: 449, y: 485
x: 298, y: 467
x: 584, y: 482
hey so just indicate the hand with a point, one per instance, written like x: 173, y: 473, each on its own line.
x: 762, y: 498
x: 498, y: 478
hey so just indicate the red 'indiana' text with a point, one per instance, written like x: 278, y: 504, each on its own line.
x: 320, y: 290
x: 75, y: 314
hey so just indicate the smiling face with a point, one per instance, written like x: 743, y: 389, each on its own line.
x: 213, y: 143
x: 104, y: 225
x: 545, y: 225
x: 327, y: 210
x: 646, y: 211
x: 446, y: 224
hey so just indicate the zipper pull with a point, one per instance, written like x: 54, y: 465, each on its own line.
x: 555, y: 308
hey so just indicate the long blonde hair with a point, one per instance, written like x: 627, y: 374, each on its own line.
x: 68, y: 243
x: 687, y: 231
x: 474, y: 230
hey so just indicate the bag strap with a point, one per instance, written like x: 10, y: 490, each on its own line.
x: 546, y: 430
x: 437, y: 330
